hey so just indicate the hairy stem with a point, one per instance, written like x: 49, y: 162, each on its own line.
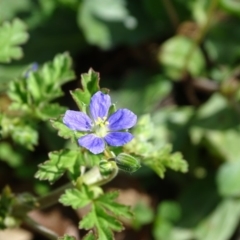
x: 92, y: 177
x: 52, y: 197
x: 40, y: 229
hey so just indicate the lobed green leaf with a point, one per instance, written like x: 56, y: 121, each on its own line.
x: 33, y: 93
x: 11, y: 36
x: 75, y: 198
x: 59, y: 162
x: 104, y: 213
x: 90, y: 85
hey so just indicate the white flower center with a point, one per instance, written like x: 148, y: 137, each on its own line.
x: 101, y: 128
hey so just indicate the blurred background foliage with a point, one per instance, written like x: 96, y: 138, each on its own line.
x: 176, y: 60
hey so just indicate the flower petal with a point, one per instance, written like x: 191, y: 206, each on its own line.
x: 93, y: 143
x: 118, y: 138
x: 76, y: 120
x: 99, y: 105
x: 122, y: 119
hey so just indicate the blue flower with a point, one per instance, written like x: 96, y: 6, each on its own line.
x: 100, y: 128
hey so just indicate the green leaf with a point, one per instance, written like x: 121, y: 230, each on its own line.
x: 143, y: 214
x: 231, y: 6
x: 90, y: 85
x: 10, y: 8
x: 168, y: 213
x: 221, y: 223
x: 103, y: 222
x: 7, y: 150
x: 66, y: 237
x: 25, y: 135
x: 44, y: 84
x: 59, y: 162
x: 91, y: 16
x: 63, y: 130
x: 108, y: 201
x: 156, y: 156
x: 75, y: 198
x: 50, y: 111
x: 100, y: 219
x: 89, y: 236
x: 104, y: 213
x: 228, y: 179
x: 169, y: 210
x: 175, y: 52
x: 11, y: 36
x: 219, y: 137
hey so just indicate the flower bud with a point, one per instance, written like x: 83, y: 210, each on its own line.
x: 106, y: 167
x: 127, y: 163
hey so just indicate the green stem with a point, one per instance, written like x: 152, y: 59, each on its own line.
x: 92, y: 177
x: 41, y: 229
x: 52, y: 198
x: 202, y: 33
x: 172, y: 13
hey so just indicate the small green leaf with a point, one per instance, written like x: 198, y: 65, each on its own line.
x: 89, y: 236
x: 104, y: 212
x: 143, y: 214
x: 63, y: 130
x: 66, y: 237
x: 108, y: 201
x: 60, y: 162
x: 50, y: 111
x: 11, y: 36
x: 99, y: 218
x: 90, y: 85
x: 174, y: 54
x: 156, y: 156
x: 25, y: 135
x: 75, y: 198
x: 92, y: 18
x: 228, y: 179
x: 44, y: 84
x: 7, y: 150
